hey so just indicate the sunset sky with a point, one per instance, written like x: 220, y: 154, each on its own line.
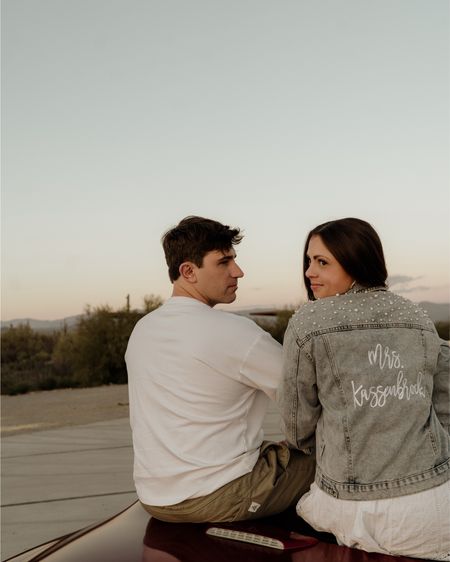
x: 120, y: 117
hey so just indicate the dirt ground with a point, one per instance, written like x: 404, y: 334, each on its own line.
x: 37, y: 411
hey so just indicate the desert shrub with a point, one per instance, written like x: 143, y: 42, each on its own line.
x: 25, y: 359
x: 278, y: 327
x: 93, y: 354
x: 443, y: 329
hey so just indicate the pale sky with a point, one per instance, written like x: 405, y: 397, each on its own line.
x: 120, y: 117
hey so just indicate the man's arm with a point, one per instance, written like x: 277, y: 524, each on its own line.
x: 262, y: 366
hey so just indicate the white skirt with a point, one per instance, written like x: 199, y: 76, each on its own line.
x: 416, y: 525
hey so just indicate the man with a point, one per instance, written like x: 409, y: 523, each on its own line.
x: 199, y: 384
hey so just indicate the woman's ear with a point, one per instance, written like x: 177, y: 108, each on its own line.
x: 187, y: 272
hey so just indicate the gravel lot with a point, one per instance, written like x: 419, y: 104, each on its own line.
x: 37, y: 411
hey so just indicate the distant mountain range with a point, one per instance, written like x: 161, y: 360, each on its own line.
x: 438, y: 312
x: 43, y: 325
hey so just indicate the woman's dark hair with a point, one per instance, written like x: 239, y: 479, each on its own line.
x: 356, y: 246
x: 193, y: 238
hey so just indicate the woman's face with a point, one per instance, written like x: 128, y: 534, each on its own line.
x: 325, y: 273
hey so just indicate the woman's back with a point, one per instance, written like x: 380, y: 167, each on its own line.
x: 366, y: 383
x: 365, y: 368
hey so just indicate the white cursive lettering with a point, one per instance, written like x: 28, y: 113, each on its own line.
x: 377, y: 396
x: 385, y: 357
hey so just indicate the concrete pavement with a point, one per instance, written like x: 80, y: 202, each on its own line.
x: 57, y: 481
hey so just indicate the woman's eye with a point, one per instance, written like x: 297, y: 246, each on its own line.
x: 322, y: 262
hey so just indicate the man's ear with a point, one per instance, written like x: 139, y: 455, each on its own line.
x: 187, y: 272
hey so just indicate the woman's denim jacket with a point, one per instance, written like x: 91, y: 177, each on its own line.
x: 366, y: 382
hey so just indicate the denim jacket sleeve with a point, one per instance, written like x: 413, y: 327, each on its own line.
x: 441, y: 387
x: 297, y: 394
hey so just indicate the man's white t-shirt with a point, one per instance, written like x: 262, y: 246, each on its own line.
x: 199, y: 383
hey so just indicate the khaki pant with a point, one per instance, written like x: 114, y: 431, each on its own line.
x: 279, y: 478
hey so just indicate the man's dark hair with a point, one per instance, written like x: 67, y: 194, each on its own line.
x: 356, y: 246
x: 193, y: 238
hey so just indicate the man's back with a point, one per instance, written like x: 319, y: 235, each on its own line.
x: 199, y: 382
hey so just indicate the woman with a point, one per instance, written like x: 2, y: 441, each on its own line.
x: 366, y: 384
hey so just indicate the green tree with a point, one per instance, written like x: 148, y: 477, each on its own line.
x: 21, y: 344
x: 93, y: 354
x: 151, y: 302
x: 26, y: 359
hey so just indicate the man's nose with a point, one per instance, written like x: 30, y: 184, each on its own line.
x: 237, y: 271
